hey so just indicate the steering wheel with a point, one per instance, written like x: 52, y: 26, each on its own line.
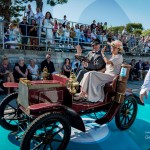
x: 82, y: 58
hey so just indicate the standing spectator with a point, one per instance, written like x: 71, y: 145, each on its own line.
x: 29, y: 13
x: 23, y: 26
x: 64, y: 21
x: 12, y: 35
x: 33, y: 35
x: 55, y: 29
x: 39, y: 18
x: 145, y: 87
x: 93, y: 25
x: 124, y: 31
x: 48, y: 25
x: 20, y: 70
x: 48, y: 63
x: 105, y: 27
x: 67, y: 67
x: 6, y: 70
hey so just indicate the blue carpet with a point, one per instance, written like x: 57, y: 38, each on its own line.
x: 135, y: 138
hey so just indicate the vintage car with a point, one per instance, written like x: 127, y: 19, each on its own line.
x: 44, y: 111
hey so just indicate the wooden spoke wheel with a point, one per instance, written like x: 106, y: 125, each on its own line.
x: 9, y: 112
x: 127, y: 113
x: 48, y: 131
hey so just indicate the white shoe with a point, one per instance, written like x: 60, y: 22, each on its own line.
x: 60, y: 46
x: 63, y: 46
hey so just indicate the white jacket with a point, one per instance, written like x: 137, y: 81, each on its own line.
x: 146, y: 85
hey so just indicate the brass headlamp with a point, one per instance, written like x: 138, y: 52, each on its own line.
x: 72, y: 84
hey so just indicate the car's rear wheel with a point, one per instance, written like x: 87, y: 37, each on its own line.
x: 127, y: 113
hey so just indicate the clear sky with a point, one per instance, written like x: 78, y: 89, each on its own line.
x: 115, y: 12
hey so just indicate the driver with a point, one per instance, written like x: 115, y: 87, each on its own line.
x: 96, y: 61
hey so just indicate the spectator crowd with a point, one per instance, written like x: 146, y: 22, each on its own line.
x: 36, y: 28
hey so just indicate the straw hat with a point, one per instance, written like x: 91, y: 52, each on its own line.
x: 117, y: 44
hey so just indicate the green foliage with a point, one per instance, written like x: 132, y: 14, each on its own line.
x: 55, y: 2
x: 17, y: 8
x: 146, y: 32
x: 137, y: 32
x: 130, y: 27
x: 117, y: 29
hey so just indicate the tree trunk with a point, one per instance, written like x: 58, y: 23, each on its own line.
x: 39, y: 4
x: 4, y: 10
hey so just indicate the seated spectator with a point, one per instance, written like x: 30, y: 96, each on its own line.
x: 139, y: 70
x: 72, y: 33
x: 147, y: 45
x: 93, y: 35
x: 80, y: 38
x: 145, y: 66
x: 20, y: 70
x: 33, y: 70
x: 67, y: 67
x: 48, y: 64
x: 132, y: 74
x: 6, y: 71
x: 88, y: 35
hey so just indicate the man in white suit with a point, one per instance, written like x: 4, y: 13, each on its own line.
x: 145, y: 88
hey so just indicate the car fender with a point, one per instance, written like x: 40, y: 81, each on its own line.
x: 75, y: 119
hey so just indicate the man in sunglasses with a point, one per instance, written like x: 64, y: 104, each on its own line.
x: 94, y: 57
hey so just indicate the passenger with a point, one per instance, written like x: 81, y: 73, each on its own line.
x: 96, y: 61
x: 145, y: 88
x: 93, y: 82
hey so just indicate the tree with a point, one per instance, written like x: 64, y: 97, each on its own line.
x: 133, y: 26
x: 39, y: 3
x: 146, y: 32
x: 9, y: 9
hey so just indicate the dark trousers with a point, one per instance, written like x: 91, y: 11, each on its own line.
x: 81, y: 74
x: 24, y: 42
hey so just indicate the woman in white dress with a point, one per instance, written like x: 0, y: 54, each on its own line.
x: 93, y: 82
x: 48, y: 26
